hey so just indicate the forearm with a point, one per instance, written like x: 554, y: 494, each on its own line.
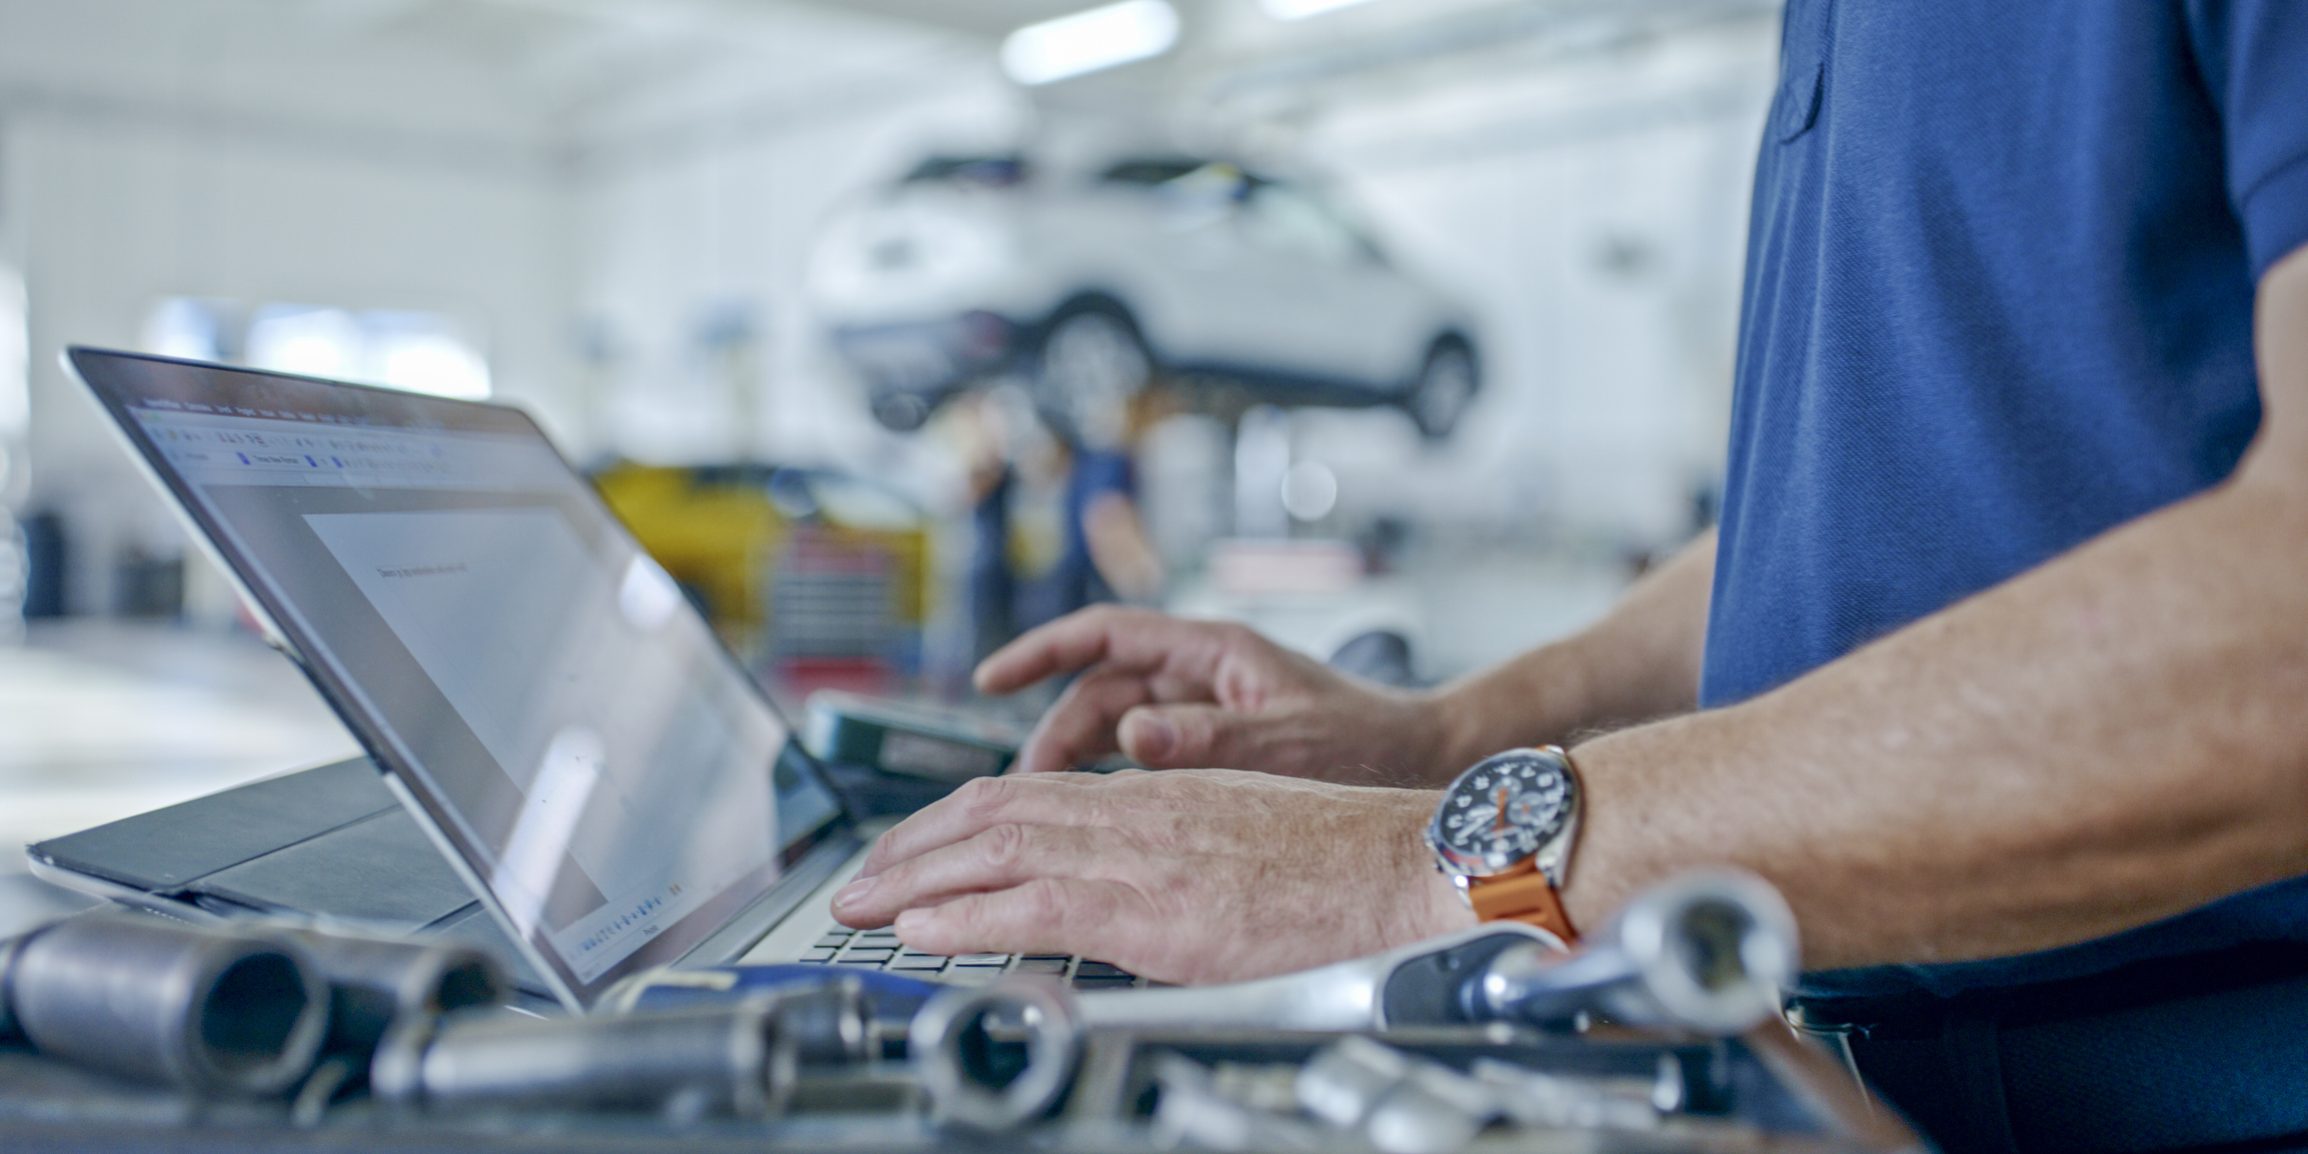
x: 2112, y: 738
x: 1120, y: 550
x: 1640, y: 662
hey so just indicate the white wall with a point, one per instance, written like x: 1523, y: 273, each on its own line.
x: 723, y: 221
x: 152, y: 149
x: 544, y: 175
x: 1594, y: 211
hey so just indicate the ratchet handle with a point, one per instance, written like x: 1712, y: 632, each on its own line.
x: 1441, y: 987
x: 1418, y: 985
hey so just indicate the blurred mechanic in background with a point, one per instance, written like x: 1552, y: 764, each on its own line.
x: 1095, y: 549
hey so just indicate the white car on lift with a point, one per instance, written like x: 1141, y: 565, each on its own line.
x: 1092, y: 280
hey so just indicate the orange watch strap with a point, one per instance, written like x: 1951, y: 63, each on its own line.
x: 1526, y: 896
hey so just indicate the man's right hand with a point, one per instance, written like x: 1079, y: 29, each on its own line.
x: 1178, y: 694
x: 1174, y: 694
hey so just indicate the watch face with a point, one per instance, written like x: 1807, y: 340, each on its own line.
x: 1498, y: 814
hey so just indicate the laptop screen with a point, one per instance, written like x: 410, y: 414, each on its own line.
x: 549, y: 696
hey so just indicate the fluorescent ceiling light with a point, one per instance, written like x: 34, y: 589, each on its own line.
x: 1089, y: 41
x: 1301, y: 9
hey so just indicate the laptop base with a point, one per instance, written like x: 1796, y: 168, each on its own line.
x: 323, y: 845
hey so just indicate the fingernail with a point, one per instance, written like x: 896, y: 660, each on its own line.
x: 912, y: 920
x: 853, y: 893
x: 1156, y: 737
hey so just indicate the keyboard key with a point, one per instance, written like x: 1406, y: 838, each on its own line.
x: 881, y: 935
x: 834, y: 940
x: 1105, y: 983
x: 968, y: 975
x: 867, y: 954
x: 918, y: 965
x: 819, y: 956
x: 1089, y: 969
x: 982, y: 960
x: 1060, y: 958
x: 1041, y: 966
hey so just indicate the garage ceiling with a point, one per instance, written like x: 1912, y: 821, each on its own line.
x: 988, y: 18
x: 635, y: 67
x: 514, y: 24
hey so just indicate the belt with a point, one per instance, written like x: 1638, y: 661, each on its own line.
x: 2179, y: 1054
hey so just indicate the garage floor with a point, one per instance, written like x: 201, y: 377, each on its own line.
x: 102, y: 721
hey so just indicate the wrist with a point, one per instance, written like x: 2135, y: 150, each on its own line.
x: 1459, y: 729
x: 1593, y: 889
x: 1444, y: 905
x: 1537, y: 700
x: 1437, y: 903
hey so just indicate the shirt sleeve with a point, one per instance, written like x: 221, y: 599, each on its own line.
x: 1108, y: 471
x: 2254, y: 58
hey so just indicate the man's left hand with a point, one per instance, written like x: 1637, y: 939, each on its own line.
x: 1188, y: 876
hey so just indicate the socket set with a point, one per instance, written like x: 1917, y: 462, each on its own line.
x: 1659, y: 1033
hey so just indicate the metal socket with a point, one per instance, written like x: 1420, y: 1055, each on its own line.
x: 375, y: 983
x: 8, y: 951
x: 158, y: 1001
x: 687, y: 1062
x: 953, y: 1041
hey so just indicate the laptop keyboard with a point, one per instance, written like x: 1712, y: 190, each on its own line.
x: 881, y: 950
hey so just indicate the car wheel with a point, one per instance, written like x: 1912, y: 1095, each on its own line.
x: 899, y: 412
x: 1445, y: 387
x: 1092, y: 365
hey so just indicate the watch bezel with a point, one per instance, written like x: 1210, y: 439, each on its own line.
x: 1551, y: 836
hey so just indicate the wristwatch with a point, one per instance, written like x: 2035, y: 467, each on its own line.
x: 1504, y: 833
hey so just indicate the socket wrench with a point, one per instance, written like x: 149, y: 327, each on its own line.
x: 1707, y: 952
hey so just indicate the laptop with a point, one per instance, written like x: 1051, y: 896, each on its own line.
x: 548, y: 716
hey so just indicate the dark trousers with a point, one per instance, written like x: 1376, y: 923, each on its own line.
x: 2206, y: 1053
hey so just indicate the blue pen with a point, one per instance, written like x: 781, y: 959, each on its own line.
x: 888, y: 997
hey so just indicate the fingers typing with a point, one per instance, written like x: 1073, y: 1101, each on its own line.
x: 1001, y: 857
x: 977, y: 805
x: 1080, y: 728
x: 1047, y: 915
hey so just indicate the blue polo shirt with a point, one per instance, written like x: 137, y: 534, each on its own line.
x: 1998, y: 301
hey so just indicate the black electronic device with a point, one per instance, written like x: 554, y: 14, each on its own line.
x: 907, y: 738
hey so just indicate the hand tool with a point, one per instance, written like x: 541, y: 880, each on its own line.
x: 160, y: 1001
x: 377, y: 982
x: 960, y: 1050
x: 1706, y: 952
x: 738, y: 1058
x: 1191, y: 1109
x: 685, y: 1063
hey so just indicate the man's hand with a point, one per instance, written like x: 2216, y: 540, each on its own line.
x: 1172, y: 693
x: 1196, y: 876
